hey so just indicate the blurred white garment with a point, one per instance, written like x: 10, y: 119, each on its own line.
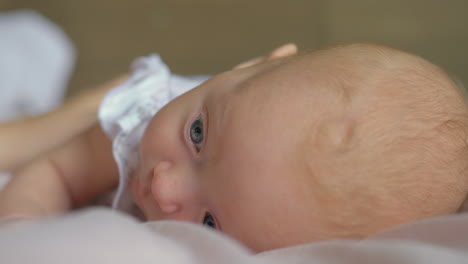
x: 36, y: 60
x: 4, y: 177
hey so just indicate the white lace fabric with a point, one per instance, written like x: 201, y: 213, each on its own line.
x: 128, y: 108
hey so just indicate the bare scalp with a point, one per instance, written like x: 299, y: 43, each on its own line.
x: 395, y: 149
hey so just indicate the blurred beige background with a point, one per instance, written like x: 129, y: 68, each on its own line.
x: 210, y: 36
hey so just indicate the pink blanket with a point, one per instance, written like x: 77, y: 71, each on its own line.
x: 105, y: 236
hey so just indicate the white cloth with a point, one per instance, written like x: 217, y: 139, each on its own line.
x: 127, y: 109
x: 36, y: 62
x: 4, y: 179
x: 104, y: 236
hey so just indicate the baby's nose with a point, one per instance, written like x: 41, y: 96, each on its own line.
x: 173, y: 189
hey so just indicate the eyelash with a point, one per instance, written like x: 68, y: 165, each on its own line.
x: 203, y: 119
x: 209, y: 221
x: 197, y: 133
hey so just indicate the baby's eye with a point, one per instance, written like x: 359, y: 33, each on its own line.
x: 209, y: 221
x: 196, y: 133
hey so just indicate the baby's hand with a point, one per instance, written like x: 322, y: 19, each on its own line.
x: 283, y: 51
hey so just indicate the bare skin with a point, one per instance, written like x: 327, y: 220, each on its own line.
x: 25, y: 139
x: 33, y: 149
x: 293, y: 154
x: 286, y: 149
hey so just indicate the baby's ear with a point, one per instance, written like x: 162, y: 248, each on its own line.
x: 283, y: 51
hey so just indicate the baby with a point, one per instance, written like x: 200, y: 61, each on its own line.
x: 288, y: 149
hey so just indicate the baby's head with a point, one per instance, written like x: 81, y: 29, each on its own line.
x: 338, y: 143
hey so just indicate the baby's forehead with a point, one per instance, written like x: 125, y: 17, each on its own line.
x: 271, y: 111
x: 285, y: 79
x: 304, y: 91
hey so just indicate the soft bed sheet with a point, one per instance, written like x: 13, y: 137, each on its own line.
x: 105, y: 236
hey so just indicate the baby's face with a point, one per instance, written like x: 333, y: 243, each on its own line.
x: 224, y: 155
x: 276, y: 154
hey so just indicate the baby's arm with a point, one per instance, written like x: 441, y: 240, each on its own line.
x: 67, y: 177
x: 23, y: 140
